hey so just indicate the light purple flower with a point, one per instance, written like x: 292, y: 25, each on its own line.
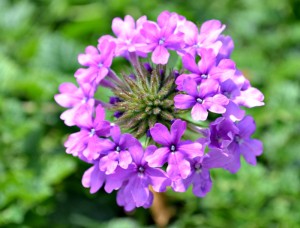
x: 78, y: 100
x: 128, y: 35
x: 200, y: 99
x: 93, y: 178
x: 243, y: 145
x: 98, y: 63
x: 206, y: 68
x: 162, y: 36
x: 173, y: 151
x: 250, y: 96
x: 116, y: 151
x: 207, y: 38
x: 86, y: 143
x: 136, y: 179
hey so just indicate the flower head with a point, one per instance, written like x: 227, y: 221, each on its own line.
x: 154, y: 110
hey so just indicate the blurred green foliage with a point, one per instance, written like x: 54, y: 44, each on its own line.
x: 40, y: 185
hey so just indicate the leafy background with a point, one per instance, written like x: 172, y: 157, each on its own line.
x: 40, y: 185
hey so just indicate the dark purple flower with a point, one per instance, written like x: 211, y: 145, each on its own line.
x: 86, y: 143
x: 174, y: 151
x: 78, y: 100
x: 222, y: 132
x: 200, y: 175
x: 200, y: 99
x: 243, y: 145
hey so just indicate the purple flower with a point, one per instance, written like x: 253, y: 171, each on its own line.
x: 206, y: 68
x: 200, y: 175
x: 250, y: 96
x: 78, y: 100
x: 93, y: 178
x: 117, y: 151
x: 222, y: 132
x: 243, y: 145
x: 161, y: 37
x: 174, y: 151
x: 231, y: 91
x: 135, y: 180
x: 201, y: 99
x: 98, y: 63
x: 206, y: 39
x: 86, y: 143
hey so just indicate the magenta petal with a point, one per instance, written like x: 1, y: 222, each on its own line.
x: 115, y: 133
x: 233, y: 112
x: 160, y: 55
x: 139, y: 191
x: 183, y: 101
x: 159, y: 157
x: 124, y: 159
x: 216, y: 103
x: 191, y: 149
x: 235, y: 164
x: 67, y: 87
x: 109, y: 163
x: 190, y: 31
x: 209, y: 86
x: 178, y: 167
x: 160, y: 134
x: 208, y: 60
x: 93, y: 178
x: 177, y: 130
x: 189, y: 63
x: 199, y: 112
x: 190, y: 87
x: 158, y: 178
x: 115, y: 180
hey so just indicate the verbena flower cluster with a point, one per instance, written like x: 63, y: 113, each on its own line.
x: 169, y: 125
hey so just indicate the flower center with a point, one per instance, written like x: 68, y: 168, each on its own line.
x: 173, y: 148
x: 118, y: 149
x: 238, y: 139
x: 204, y: 76
x: 145, y: 99
x: 161, y: 41
x: 198, y: 167
x: 92, y: 132
x: 199, y: 100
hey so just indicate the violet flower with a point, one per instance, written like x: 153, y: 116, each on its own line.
x: 244, y: 145
x: 200, y: 99
x: 86, y: 142
x: 76, y: 99
x: 117, y: 151
x: 161, y: 37
x: 200, y: 174
x: 98, y: 63
x: 134, y: 191
x: 174, y: 151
